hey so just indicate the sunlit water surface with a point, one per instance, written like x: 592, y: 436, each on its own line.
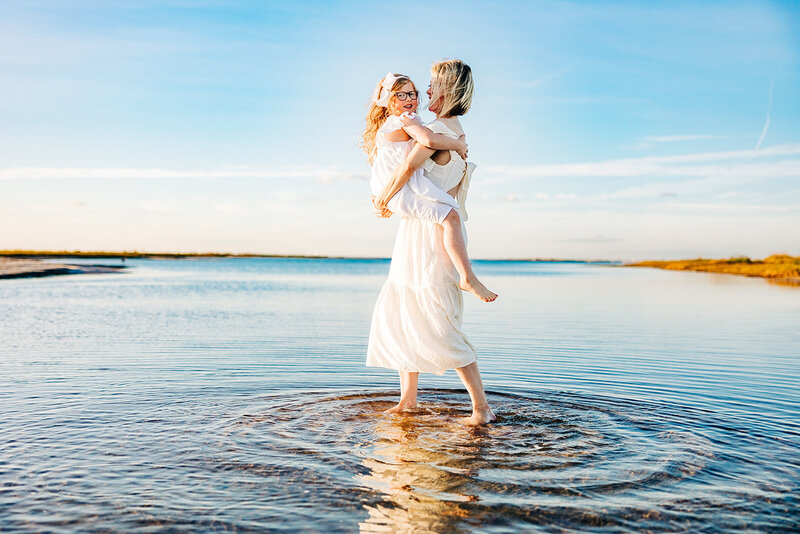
x: 232, y: 395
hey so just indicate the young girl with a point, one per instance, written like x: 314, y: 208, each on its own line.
x: 392, y: 128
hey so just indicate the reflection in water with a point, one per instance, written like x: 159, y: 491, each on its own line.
x: 789, y: 282
x: 409, y: 467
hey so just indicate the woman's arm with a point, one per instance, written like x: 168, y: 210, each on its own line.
x: 419, y: 153
x: 436, y: 141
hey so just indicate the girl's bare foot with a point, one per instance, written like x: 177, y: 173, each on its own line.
x: 479, y: 417
x: 474, y: 286
x: 401, y: 406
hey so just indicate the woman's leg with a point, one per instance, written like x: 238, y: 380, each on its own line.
x: 456, y: 247
x: 481, y: 412
x: 408, y: 392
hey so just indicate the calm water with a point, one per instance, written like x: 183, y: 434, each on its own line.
x: 222, y: 395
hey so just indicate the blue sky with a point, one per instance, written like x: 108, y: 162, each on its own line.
x: 600, y: 129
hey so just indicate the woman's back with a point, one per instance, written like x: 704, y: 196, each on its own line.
x: 453, y: 176
x: 447, y: 175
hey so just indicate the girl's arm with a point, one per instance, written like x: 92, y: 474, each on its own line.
x: 436, y: 141
x: 396, y: 136
x: 419, y: 153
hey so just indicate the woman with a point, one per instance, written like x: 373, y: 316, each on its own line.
x: 416, y: 325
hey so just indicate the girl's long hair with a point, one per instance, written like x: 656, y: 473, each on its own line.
x: 452, y: 80
x: 377, y: 115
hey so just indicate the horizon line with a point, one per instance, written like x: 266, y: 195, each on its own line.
x: 133, y: 254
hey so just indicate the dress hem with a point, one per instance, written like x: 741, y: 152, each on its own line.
x: 438, y: 373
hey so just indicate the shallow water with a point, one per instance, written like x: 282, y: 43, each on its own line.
x: 232, y: 395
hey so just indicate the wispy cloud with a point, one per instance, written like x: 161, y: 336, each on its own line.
x: 780, y: 161
x: 766, y: 123
x: 651, y: 140
x: 555, y: 196
x: 687, y: 137
x: 731, y: 208
x: 549, y: 76
x: 161, y: 206
x: 775, y: 161
x: 324, y: 175
x: 597, y: 238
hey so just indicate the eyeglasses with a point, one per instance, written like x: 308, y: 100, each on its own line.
x: 410, y: 94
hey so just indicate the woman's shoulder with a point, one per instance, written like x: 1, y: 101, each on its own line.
x: 446, y: 126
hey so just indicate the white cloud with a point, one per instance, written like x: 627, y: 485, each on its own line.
x: 775, y: 161
x: 730, y: 163
x: 687, y: 137
x: 160, y: 206
x: 730, y: 208
x: 597, y: 238
x: 228, y: 207
x: 766, y: 123
x: 121, y: 173
x: 554, y: 196
x: 549, y: 76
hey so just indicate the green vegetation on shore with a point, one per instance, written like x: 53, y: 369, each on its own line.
x: 777, y: 266
x: 137, y: 254
x: 189, y: 255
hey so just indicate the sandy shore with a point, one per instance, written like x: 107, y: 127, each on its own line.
x: 28, y: 268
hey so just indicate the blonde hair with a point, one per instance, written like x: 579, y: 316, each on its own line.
x: 377, y: 115
x: 452, y: 80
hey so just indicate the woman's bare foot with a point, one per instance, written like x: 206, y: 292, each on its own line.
x: 401, y: 406
x: 479, y: 417
x: 474, y: 286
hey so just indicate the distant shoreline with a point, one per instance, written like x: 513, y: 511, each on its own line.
x: 34, y: 268
x: 37, y: 254
x: 29, y: 263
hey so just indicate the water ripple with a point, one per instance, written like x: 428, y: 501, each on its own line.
x: 546, y: 459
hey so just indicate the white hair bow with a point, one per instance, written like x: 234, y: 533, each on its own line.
x: 384, y: 92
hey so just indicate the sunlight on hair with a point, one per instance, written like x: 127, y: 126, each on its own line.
x: 377, y: 115
x: 451, y: 80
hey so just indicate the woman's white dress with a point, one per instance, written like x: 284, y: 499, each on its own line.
x: 416, y: 324
x: 419, y: 198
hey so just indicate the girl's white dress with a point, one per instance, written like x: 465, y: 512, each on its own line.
x: 419, y: 198
x: 416, y: 324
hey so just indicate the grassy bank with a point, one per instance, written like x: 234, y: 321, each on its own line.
x: 778, y: 266
x: 34, y: 254
x: 135, y: 254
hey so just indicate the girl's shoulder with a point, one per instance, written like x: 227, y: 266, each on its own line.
x: 391, y: 124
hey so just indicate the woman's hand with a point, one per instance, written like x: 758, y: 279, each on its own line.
x: 462, y: 149
x: 380, y: 209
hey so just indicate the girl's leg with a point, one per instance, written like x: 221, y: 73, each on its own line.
x: 481, y: 412
x: 408, y: 392
x: 456, y: 246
